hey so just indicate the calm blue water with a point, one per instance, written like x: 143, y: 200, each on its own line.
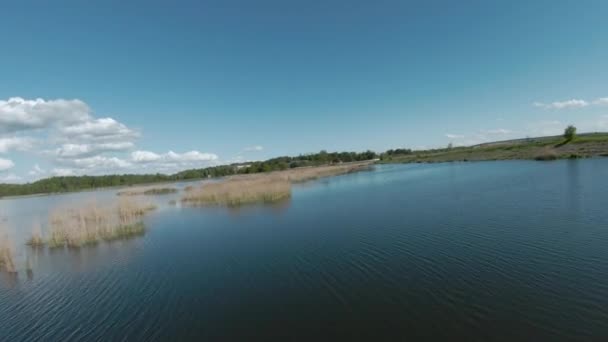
x: 507, y: 251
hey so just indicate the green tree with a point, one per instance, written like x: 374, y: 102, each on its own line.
x: 570, y: 132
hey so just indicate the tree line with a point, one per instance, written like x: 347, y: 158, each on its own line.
x: 78, y: 183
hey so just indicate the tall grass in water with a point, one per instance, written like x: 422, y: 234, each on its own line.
x: 234, y: 192
x: 36, y: 240
x: 90, y: 224
x: 261, y: 187
x: 304, y: 174
x: 7, y: 261
x: 147, y: 191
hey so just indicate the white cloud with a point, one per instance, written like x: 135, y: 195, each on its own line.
x: 544, y: 128
x: 171, y: 161
x: 76, y: 142
x: 36, y: 171
x: 82, y: 150
x: 601, y: 101
x: 481, y: 136
x: 18, y: 114
x: 10, y: 178
x: 191, y: 156
x: 62, y: 172
x: 99, y: 130
x: 95, y: 165
x: 6, y: 164
x: 497, y: 131
x: 255, y: 148
x: 16, y: 143
x: 101, y: 162
x: 573, y: 103
x: 145, y: 156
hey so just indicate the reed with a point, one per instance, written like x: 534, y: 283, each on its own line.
x: 304, y: 174
x: 235, y: 192
x: 546, y: 154
x: 261, y: 187
x: 36, y: 240
x: 148, y: 191
x: 7, y: 261
x: 90, y: 224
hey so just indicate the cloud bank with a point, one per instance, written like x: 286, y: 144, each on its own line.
x: 573, y: 103
x: 67, y: 135
x: 255, y: 148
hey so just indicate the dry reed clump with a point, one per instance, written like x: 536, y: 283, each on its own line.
x: 148, y: 191
x: 261, y: 187
x: 234, y: 192
x: 546, y: 154
x: 90, y: 224
x: 7, y: 262
x: 309, y: 173
x: 36, y: 240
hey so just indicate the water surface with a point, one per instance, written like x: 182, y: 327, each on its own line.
x: 478, y: 251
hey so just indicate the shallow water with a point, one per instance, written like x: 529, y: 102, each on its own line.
x: 480, y: 251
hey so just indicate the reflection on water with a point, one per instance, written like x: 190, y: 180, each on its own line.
x: 462, y: 251
x: 573, y: 181
x: 273, y: 208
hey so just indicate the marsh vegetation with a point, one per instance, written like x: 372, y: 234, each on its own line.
x: 7, y: 261
x: 236, y: 192
x: 89, y: 224
x: 261, y: 188
x: 147, y: 191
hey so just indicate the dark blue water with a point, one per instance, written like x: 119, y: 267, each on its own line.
x: 467, y: 251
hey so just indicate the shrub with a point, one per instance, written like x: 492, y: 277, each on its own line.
x: 570, y: 133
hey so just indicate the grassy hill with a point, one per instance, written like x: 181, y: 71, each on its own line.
x: 540, y: 148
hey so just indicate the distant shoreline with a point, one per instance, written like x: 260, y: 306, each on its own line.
x: 543, y: 149
x: 585, y: 145
x: 165, y: 181
x: 117, y: 187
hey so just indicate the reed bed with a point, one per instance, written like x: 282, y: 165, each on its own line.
x: 90, y: 224
x: 304, y: 174
x: 262, y: 187
x: 235, y: 192
x: 7, y: 261
x: 147, y: 191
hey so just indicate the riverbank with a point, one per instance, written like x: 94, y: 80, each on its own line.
x: 63, y: 184
x: 543, y: 148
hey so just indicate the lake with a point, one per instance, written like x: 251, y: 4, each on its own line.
x: 505, y: 250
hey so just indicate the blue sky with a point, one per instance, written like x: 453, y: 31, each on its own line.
x: 102, y: 86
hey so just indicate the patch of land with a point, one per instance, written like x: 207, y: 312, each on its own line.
x: 542, y: 148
